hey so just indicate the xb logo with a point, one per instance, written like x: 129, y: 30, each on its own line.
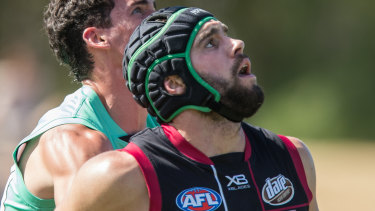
x: 237, y: 180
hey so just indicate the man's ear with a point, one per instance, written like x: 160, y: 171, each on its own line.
x: 174, y: 85
x: 95, y: 38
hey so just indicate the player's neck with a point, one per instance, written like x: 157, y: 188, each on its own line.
x: 210, y: 136
x: 119, y: 103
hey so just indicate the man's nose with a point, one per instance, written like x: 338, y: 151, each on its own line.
x: 237, y: 47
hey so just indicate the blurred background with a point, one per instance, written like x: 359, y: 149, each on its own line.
x: 312, y: 58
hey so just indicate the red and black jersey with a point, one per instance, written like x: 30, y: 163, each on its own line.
x: 268, y: 175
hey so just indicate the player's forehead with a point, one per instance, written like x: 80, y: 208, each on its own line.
x: 210, y: 28
x: 215, y: 24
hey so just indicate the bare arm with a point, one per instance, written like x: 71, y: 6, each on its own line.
x: 50, y: 163
x: 110, y: 181
x: 308, y: 165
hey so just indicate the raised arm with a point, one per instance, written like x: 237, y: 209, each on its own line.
x: 308, y: 165
x: 110, y: 181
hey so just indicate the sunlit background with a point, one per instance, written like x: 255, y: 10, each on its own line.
x: 312, y: 58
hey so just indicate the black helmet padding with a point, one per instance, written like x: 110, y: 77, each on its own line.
x: 160, y: 47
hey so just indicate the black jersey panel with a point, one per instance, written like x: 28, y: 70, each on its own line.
x: 263, y: 177
x: 274, y: 171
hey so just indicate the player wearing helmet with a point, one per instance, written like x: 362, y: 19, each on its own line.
x: 203, y: 157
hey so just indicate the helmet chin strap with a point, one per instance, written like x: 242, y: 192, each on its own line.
x: 224, y: 111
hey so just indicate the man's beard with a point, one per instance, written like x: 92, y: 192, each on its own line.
x: 242, y: 100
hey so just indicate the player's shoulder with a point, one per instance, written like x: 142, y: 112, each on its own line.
x: 109, y: 181
x: 302, y: 148
x: 309, y: 167
x: 306, y: 158
x: 77, y: 130
x: 75, y: 136
x: 117, y: 163
x: 65, y: 148
x: 113, y: 174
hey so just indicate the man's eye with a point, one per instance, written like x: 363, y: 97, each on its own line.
x: 136, y: 11
x: 211, y: 44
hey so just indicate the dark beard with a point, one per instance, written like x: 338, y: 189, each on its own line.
x: 242, y: 100
x: 245, y: 102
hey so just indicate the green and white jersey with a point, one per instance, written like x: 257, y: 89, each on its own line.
x: 82, y: 107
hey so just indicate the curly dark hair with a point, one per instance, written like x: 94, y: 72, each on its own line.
x: 65, y: 21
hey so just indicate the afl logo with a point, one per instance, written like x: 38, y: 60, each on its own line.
x: 198, y: 198
x: 278, y: 190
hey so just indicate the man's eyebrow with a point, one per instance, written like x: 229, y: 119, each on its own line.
x: 225, y: 28
x: 141, y: 2
x: 213, y: 29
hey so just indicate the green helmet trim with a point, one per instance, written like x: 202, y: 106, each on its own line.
x: 150, y: 41
x: 187, y: 57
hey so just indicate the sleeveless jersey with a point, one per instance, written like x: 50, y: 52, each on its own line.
x: 268, y: 175
x: 82, y: 107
